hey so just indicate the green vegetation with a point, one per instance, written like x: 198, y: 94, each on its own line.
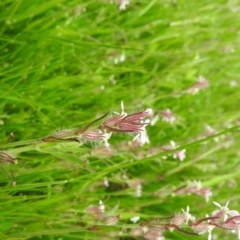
x: 64, y: 64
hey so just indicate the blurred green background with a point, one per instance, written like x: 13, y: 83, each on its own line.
x: 65, y: 63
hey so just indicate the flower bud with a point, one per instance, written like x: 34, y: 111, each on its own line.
x: 7, y: 157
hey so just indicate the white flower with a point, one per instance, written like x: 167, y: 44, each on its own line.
x: 181, y: 155
x: 119, y: 59
x: 105, y: 182
x: 222, y: 212
x: 142, y: 137
x: 187, y: 215
x: 101, y: 206
x: 154, y: 120
x: 123, y: 4
x: 167, y: 116
x: 105, y: 138
x: 135, y: 219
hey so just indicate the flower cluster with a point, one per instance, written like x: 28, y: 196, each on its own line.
x: 129, y: 123
x: 222, y: 218
x: 183, y: 222
x: 134, y: 123
x: 194, y: 187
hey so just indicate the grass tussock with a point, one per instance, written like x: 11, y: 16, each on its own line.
x: 119, y: 119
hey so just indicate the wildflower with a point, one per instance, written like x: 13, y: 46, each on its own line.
x: 205, y: 192
x: 182, y: 218
x: 195, y: 187
x: 210, y: 132
x: 7, y: 157
x: 115, y: 120
x: 200, y: 84
x: 223, y: 212
x: 119, y: 59
x: 105, y: 182
x: 232, y: 223
x: 154, y: 119
x: 136, y: 184
x: 129, y: 123
x: 134, y: 219
x: 142, y: 137
x: 167, y: 116
x: 156, y: 228
x: 179, y: 154
x: 97, y: 211
x: 122, y: 4
x: 202, y: 225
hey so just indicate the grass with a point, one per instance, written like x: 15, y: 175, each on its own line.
x: 57, y: 72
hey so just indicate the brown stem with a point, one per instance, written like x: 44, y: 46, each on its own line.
x: 84, y: 129
x: 181, y: 230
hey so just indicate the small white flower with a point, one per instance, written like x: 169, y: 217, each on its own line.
x: 142, y: 137
x: 119, y: 59
x: 167, y: 116
x: 173, y: 144
x: 187, y: 215
x: 135, y: 219
x: 105, y: 138
x: 122, y: 110
x: 105, y: 182
x: 123, y: 4
x: 101, y: 206
x: 222, y: 213
x: 200, y: 84
x: 154, y: 120
x: 181, y: 155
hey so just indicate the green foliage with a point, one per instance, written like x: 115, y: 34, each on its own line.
x: 59, y: 71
